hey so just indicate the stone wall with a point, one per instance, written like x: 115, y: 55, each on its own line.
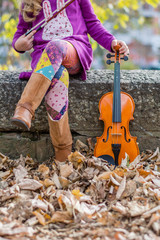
x: 142, y: 85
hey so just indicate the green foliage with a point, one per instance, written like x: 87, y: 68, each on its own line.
x: 9, y: 23
x: 9, y: 26
x: 120, y: 12
x: 102, y: 13
x: 153, y: 3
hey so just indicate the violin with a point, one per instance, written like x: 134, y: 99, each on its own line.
x: 116, y: 110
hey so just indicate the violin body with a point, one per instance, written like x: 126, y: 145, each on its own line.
x: 116, y: 110
x: 117, y: 133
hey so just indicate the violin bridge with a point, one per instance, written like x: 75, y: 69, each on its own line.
x: 116, y: 134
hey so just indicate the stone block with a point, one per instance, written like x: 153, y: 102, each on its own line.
x: 15, y: 144
x: 142, y: 85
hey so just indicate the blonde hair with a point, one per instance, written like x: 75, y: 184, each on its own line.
x: 30, y: 9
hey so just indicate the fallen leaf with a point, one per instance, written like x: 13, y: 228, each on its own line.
x: 66, y: 170
x: 135, y: 209
x: 5, y: 174
x: 20, y: 173
x: 64, y: 182
x: 119, y: 208
x: 43, y: 169
x: 76, y: 159
x: 121, y: 188
x: 104, y: 176
x: 30, y: 184
x: 63, y: 217
x: 77, y: 193
x: 47, y: 183
x: 56, y: 181
x: 40, y: 218
x: 143, y: 172
x: 156, y: 182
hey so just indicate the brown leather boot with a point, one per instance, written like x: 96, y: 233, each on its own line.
x: 30, y: 99
x: 61, y: 137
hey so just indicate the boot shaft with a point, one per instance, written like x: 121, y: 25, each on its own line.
x: 35, y: 90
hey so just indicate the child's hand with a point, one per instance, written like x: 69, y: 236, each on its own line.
x: 124, y: 48
x: 25, y: 43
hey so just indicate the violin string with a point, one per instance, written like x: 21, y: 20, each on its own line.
x: 116, y: 106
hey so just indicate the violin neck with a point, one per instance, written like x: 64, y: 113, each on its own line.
x: 116, y: 117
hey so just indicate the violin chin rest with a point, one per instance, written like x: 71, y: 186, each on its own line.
x: 108, y: 158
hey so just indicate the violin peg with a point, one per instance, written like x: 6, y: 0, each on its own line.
x: 108, y: 55
x: 125, y: 58
x: 109, y: 62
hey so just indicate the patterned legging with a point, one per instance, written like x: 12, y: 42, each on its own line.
x: 58, y: 60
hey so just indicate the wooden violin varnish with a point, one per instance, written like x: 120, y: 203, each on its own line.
x: 116, y: 110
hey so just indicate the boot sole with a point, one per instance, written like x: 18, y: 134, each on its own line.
x: 20, y: 124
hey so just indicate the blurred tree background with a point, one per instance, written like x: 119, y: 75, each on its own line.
x: 126, y: 19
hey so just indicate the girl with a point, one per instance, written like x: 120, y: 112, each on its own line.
x: 61, y: 48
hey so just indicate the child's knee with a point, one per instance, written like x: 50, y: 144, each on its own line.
x: 54, y: 45
x: 56, y: 53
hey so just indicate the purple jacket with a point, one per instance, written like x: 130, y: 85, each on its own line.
x: 72, y: 24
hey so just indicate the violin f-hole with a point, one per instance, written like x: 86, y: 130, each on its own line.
x: 125, y: 135
x: 110, y: 127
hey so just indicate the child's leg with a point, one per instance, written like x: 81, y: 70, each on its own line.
x: 58, y: 57
x: 48, y: 68
x: 61, y: 137
x: 56, y: 100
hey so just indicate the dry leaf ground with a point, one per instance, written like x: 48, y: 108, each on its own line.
x: 83, y: 198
